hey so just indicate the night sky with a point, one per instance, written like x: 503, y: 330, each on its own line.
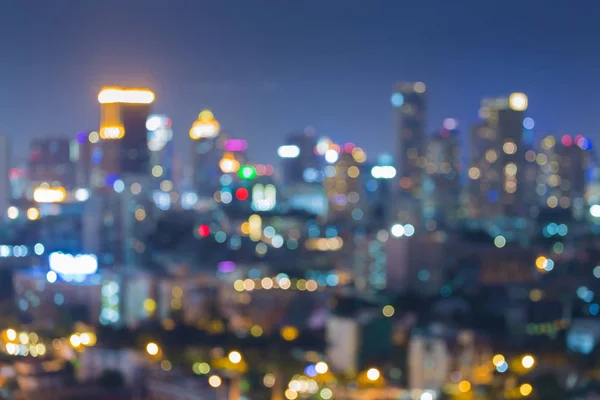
x: 267, y: 68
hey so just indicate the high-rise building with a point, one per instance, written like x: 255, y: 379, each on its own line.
x: 4, y: 172
x: 160, y: 134
x: 498, y: 159
x: 441, y: 185
x: 410, y: 102
x: 563, y: 165
x: 345, y: 190
x: 299, y: 161
x: 86, y: 144
x: 123, y: 134
x: 51, y: 162
x: 207, y: 154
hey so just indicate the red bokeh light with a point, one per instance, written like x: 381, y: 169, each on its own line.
x: 203, y: 230
x: 566, y: 140
x: 241, y: 194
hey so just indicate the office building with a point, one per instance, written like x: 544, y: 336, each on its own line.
x: 51, y: 161
x: 207, y: 154
x: 160, y: 146
x: 409, y: 100
x: 300, y: 162
x: 123, y: 134
x: 86, y: 144
x: 441, y: 184
x: 563, y: 165
x: 497, y: 161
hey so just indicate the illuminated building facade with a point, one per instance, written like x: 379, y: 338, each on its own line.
x: 123, y: 134
x: 299, y: 161
x: 86, y: 144
x: 160, y: 135
x: 441, y: 183
x: 409, y: 100
x: 51, y: 161
x: 343, y: 184
x: 207, y: 154
x: 498, y: 160
x: 4, y: 174
x: 563, y: 164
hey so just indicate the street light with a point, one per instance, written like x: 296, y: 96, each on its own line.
x: 373, y: 374
x: 152, y: 348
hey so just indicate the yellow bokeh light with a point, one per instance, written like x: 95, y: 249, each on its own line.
x: 464, y: 386
x: 498, y: 359
x: 238, y: 285
x: 111, y: 132
x: 75, y: 340
x: 152, y: 349
x: 509, y: 148
x: 245, y: 228
x: 540, y: 262
x: 11, y: 334
x: 214, y: 381
x: 474, y: 173
x: 388, y: 310
x: 150, y: 306
x: 518, y: 101
x: 289, y: 333
x: 256, y: 331
x: 12, y: 212
x: 353, y: 172
x: 235, y: 357
x: 49, y: 195
x: 525, y: 389
x: 290, y: 394
x: 140, y: 214
x: 33, y: 214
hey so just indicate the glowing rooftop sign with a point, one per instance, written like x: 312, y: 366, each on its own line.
x: 288, y: 151
x: 111, y: 95
x: 206, y: 126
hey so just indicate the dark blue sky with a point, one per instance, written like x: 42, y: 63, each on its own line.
x: 269, y: 67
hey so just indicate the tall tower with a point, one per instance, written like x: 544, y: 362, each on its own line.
x: 160, y: 133
x: 207, y: 151
x: 123, y: 135
x: 441, y: 185
x: 410, y: 102
x: 498, y: 159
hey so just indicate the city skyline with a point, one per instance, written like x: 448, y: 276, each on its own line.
x: 336, y: 77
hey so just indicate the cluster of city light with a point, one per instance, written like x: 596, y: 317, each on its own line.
x: 111, y: 132
x: 111, y: 95
x: 83, y: 339
x: 282, y: 282
x: 44, y: 194
x: 383, y: 172
x: 22, y: 343
x: 399, y: 230
x: 159, y: 131
x: 324, y: 244
x: 15, y: 251
x: 544, y: 264
x: 264, y: 197
x: 206, y: 126
x: 288, y: 151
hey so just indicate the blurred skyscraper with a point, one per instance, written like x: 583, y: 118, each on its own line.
x: 299, y: 160
x: 498, y: 160
x: 207, y: 152
x: 51, y: 162
x: 441, y: 184
x: 123, y: 134
x: 4, y: 170
x: 86, y: 142
x: 410, y: 102
x: 160, y: 134
x: 563, y: 164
